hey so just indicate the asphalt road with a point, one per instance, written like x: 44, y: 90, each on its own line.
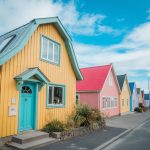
x: 86, y: 142
x: 138, y: 139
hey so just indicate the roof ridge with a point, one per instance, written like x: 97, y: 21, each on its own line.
x: 95, y: 66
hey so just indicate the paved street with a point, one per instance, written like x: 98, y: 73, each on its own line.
x: 86, y: 142
x: 138, y: 139
x: 117, y: 125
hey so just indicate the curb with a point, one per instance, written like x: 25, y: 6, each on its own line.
x: 112, y: 140
x: 104, y: 145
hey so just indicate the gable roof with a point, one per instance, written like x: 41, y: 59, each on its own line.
x: 22, y: 34
x: 146, y: 96
x: 32, y: 72
x: 94, y: 78
x: 132, y: 86
x: 121, y: 79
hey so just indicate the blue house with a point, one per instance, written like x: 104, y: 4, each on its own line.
x: 133, y: 98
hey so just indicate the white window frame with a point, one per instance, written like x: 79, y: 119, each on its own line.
x: 52, y: 51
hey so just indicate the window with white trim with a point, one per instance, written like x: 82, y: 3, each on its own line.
x: 56, y: 95
x: 50, y: 50
x: 109, y: 102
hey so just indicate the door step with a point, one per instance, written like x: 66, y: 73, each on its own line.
x: 31, y: 140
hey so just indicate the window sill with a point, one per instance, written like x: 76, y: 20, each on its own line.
x: 50, y: 62
x: 55, y: 106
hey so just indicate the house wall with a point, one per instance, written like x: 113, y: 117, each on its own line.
x: 125, y: 95
x: 28, y: 57
x: 89, y: 98
x: 147, y: 103
x: 134, y: 99
x: 109, y: 91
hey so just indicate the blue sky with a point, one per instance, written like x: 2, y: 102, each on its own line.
x: 103, y: 31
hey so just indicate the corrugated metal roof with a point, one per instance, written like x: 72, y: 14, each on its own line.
x: 22, y: 35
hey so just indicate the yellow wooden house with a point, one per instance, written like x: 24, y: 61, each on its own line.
x: 125, y: 94
x: 38, y: 73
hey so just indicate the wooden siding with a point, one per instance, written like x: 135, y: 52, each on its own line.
x: 28, y: 57
x: 125, y: 95
x: 110, y: 91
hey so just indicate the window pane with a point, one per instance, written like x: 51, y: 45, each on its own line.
x: 50, y: 95
x: 56, y: 53
x: 58, y: 95
x: 44, y: 48
x: 50, y: 51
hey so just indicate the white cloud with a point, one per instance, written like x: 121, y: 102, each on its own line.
x: 14, y: 13
x: 137, y: 56
x: 109, y: 30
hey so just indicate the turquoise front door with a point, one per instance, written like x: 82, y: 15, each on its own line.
x: 27, y: 107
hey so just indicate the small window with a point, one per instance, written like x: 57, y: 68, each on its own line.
x: 77, y: 99
x: 5, y: 42
x: 124, y: 87
x: 50, y: 50
x: 110, y: 81
x: 26, y: 89
x: 56, y: 95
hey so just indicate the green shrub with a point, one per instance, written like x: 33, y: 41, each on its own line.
x: 82, y: 116
x: 85, y: 116
x: 54, y: 126
x: 98, y: 117
x: 138, y: 109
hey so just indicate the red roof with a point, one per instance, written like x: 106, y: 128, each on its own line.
x: 93, y: 78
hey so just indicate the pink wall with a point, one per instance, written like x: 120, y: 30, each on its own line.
x: 111, y: 91
x: 94, y: 99
x: 89, y: 98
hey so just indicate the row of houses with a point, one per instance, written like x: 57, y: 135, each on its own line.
x: 38, y: 75
x: 112, y: 94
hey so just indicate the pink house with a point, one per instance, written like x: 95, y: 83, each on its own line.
x: 99, y: 89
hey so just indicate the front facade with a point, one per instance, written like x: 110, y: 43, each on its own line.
x: 133, y: 96
x: 142, y: 96
x: 99, y: 89
x: 125, y: 94
x: 38, y: 76
x: 139, y: 95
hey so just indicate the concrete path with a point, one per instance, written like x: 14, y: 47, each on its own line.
x: 138, y: 139
x: 128, y: 121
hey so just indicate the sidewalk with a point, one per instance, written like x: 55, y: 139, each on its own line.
x: 128, y: 121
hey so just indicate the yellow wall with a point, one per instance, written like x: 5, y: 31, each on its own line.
x: 125, y: 95
x: 28, y: 57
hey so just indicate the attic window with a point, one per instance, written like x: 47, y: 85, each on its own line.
x: 50, y: 50
x: 5, y: 42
